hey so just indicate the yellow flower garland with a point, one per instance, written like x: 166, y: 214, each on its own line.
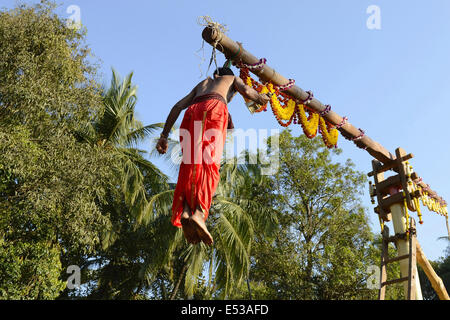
x: 283, y: 113
x: 291, y: 111
x: 432, y: 204
x: 330, y: 138
x: 309, y: 126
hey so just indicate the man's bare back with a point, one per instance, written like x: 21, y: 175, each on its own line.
x: 227, y: 86
x: 220, y: 85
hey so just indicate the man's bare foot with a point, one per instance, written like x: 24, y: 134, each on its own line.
x: 198, y: 220
x: 188, y: 229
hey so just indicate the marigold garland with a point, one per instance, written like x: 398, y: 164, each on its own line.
x: 329, y: 135
x: 438, y: 206
x: 309, y: 124
x: 284, y: 108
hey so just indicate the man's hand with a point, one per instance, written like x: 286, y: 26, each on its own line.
x: 162, y: 145
x: 263, y: 99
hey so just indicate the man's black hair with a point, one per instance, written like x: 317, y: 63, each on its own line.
x: 224, y: 71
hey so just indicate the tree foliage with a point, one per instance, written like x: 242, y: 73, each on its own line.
x: 51, y: 184
x: 323, y: 244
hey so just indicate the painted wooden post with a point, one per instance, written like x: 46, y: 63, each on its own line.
x: 399, y: 222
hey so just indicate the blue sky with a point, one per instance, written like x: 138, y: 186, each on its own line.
x: 394, y: 83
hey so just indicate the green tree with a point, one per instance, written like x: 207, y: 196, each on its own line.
x: 118, y: 130
x: 442, y: 269
x: 116, y: 269
x: 323, y: 244
x: 51, y: 186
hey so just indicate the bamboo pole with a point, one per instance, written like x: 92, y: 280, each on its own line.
x: 232, y: 49
x: 435, y: 280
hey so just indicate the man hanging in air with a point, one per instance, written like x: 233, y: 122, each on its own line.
x: 202, y: 137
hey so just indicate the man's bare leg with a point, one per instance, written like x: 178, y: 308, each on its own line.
x: 188, y: 229
x: 198, y: 220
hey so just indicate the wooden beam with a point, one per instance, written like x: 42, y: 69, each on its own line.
x: 388, y: 283
x: 391, y: 165
x: 386, y: 203
x: 436, y: 281
x: 383, y: 213
x: 406, y: 256
x: 413, y: 273
x: 392, y: 181
x: 231, y: 48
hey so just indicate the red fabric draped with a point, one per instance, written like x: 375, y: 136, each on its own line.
x: 202, y: 137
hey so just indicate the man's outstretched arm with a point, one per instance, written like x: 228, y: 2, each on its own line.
x: 250, y: 93
x: 162, y: 145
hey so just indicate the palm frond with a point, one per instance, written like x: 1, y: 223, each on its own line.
x: 195, y: 256
x: 136, y: 136
x: 166, y: 238
x: 159, y: 204
x: 234, y: 232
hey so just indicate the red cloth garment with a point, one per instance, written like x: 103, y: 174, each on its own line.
x: 202, y: 137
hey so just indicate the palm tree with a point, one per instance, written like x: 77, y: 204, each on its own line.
x: 233, y: 220
x: 118, y: 130
x: 133, y: 217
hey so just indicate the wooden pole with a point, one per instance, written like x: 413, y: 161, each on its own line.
x: 383, y: 265
x: 414, y: 290
x: 436, y: 281
x: 231, y: 49
x: 399, y: 222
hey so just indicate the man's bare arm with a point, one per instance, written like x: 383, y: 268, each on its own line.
x: 175, y: 112
x: 249, y: 93
x: 162, y: 144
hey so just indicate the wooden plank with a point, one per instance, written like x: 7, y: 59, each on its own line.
x: 391, y: 164
x: 229, y: 48
x: 386, y: 203
x: 378, y: 178
x: 384, y: 186
x: 401, y: 236
x: 397, y: 198
x: 406, y: 256
x: 388, y: 283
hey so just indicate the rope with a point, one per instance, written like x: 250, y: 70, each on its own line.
x: 208, y: 22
